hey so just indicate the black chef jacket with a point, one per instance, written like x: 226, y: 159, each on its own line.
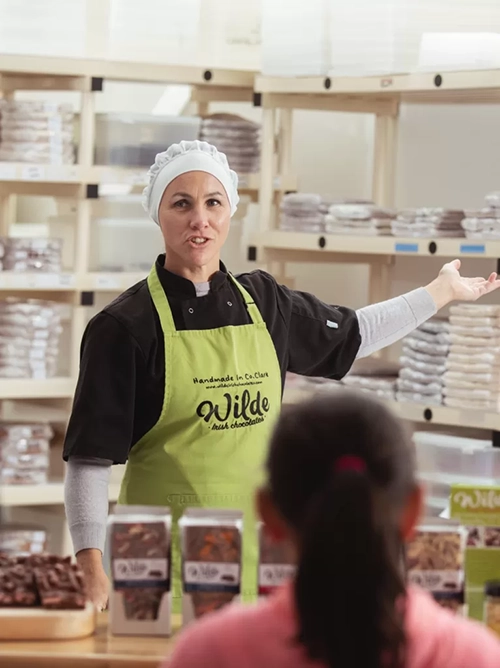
x: 119, y: 395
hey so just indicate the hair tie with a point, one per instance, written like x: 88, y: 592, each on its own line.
x: 350, y: 463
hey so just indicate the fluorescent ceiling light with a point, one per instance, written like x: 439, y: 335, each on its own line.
x: 172, y: 101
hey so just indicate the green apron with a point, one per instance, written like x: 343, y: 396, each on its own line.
x: 222, y: 397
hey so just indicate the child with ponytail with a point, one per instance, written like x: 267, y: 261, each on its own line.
x: 341, y: 487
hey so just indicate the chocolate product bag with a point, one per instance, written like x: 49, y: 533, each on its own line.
x: 435, y: 562
x: 139, y: 540
x: 276, y: 563
x: 211, y: 547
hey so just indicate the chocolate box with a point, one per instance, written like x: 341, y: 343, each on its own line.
x: 139, y: 540
x: 211, y: 545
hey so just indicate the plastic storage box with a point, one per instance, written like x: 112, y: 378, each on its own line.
x: 466, y: 460
x: 133, y: 140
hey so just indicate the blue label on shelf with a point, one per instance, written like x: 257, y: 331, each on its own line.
x: 406, y: 248
x: 472, y: 248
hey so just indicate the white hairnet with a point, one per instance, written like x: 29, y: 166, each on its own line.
x: 188, y: 156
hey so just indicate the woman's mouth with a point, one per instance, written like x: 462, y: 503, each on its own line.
x: 198, y: 241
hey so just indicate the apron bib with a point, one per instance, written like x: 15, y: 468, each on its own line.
x: 222, y: 397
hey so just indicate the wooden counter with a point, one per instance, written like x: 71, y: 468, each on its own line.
x: 98, y: 651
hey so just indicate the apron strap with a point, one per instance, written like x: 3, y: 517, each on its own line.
x: 163, y: 308
x: 253, y: 310
x: 160, y: 301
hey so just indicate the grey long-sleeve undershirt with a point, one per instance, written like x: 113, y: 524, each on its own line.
x: 87, y: 479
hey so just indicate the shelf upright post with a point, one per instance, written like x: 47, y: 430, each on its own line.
x: 267, y: 176
x: 83, y: 223
x: 383, y: 194
x: 8, y: 200
x: 283, y: 147
x: 285, y: 142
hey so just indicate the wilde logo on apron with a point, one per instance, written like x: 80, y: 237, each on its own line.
x: 234, y: 411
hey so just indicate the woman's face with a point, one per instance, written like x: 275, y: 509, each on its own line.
x: 194, y: 217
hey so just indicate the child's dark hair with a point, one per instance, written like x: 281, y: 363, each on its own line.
x: 340, y: 469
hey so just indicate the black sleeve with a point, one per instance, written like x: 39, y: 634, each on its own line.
x: 101, y: 422
x: 323, y: 340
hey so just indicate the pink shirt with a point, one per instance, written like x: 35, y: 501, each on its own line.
x: 257, y: 636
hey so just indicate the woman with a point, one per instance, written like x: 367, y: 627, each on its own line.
x: 342, y: 491
x: 181, y: 376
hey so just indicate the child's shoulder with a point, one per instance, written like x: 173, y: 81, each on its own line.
x: 437, y: 635
x: 208, y: 641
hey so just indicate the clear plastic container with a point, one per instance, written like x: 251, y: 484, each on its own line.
x: 465, y: 459
x: 20, y: 540
x: 14, y: 431
x: 133, y: 140
x: 24, y: 461
x: 9, y: 476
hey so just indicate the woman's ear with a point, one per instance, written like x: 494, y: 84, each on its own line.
x: 274, y: 525
x: 412, y: 512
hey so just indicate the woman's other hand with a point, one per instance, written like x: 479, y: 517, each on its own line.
x: 451, y: 286
x: 96, y: 580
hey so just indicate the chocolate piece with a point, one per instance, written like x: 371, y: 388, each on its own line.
x: 209, y: 601
x: 148, y: 540
x: 60, y: 585
x: 142, y: 603
x: 46, y: 580
x: 492, y: 536
x: 431, y: 550
x: 17, y: 585
x: 213, y: 544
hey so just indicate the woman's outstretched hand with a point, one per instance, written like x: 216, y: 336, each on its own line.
x: 451, y: 286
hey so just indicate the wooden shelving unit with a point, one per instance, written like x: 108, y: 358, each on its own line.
x: 51, y: 494
x: 423, y: 413
x: 337, y: 244
x: 82, y: 183
x: 382, y: 97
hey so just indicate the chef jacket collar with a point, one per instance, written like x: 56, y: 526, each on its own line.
x: 173, y: 284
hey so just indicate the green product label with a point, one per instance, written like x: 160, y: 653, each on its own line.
x: 478, y: 508
x: 475, y: 506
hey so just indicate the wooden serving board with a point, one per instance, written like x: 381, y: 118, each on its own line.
x: 40, y: 624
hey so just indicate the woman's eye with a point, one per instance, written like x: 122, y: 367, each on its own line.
x: 213, y: 202
x: 180, y: 204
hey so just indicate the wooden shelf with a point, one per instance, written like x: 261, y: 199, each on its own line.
x: 51, y: 494
x: 421, y: 413
x: 37, y: 281
x: 328, y: 244
x: 29, y: 388
x: 22, y: 411
x: 472, y: 86
x: 61, y: 175
x: 26, y: 172
x: 45, y: 282
x: 49, y: 66
x: 110, y: 281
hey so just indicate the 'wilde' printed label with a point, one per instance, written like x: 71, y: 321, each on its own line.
x: 233, y: 411
x: 144, y: 570
x: 212, y: 573
x: 274, y: 575
x: 437, y: 581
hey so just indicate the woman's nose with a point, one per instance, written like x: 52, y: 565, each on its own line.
x: 199, y: 218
